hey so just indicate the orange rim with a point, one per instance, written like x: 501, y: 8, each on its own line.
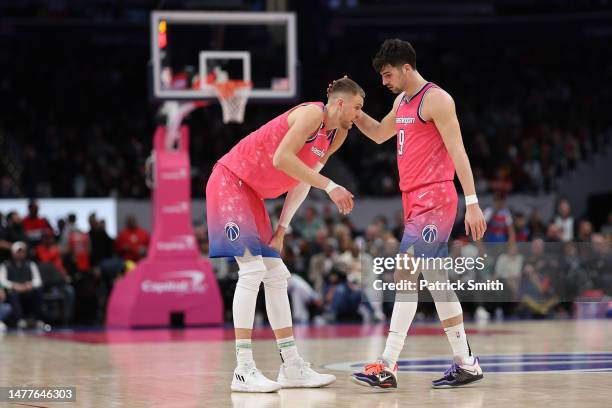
x: 227, y: 89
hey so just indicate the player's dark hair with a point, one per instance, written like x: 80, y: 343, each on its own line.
x: 396, y: 53
x: 346, y: 85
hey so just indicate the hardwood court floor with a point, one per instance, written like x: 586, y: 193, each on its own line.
x: 526, y: 364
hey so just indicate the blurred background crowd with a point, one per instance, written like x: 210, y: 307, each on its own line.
x: 61, y: 275
x: 533, y: 100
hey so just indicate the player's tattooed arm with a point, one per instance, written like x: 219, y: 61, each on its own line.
x: 381, y: 131
x: 439, y: 107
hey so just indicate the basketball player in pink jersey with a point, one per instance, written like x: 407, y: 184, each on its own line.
x: 283, y: 156
x: 429, y: 149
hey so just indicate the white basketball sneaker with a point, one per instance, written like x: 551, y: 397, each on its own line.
x: 247, y: 378
x: 298, y: 374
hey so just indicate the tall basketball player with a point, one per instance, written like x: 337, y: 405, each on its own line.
x: 429, y: 149
x: 283, y: 156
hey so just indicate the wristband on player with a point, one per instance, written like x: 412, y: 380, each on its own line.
x: 330, y: 186
x: 471, y: 199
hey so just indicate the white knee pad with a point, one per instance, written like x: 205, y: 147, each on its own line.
x: 447, y: 303
x: 435, y: 275
x: 277, y: 299
x: 440, y: 296
x: 276, y: 272
x: 251, y: 271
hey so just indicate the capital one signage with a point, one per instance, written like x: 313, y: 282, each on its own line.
x: 177, y: 282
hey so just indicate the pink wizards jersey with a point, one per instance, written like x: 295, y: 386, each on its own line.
x: 422, y: 157
x: 251, y: 158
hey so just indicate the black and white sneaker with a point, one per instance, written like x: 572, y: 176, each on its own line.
x: 459, y: 374
x: 377, y: 375
x: 247, y: 378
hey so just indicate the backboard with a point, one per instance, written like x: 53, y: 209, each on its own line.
x: 189, y: 50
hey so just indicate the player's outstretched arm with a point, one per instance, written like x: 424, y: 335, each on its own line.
x: 379, y: 131
x: 303, y: 122
x: 440, y: 107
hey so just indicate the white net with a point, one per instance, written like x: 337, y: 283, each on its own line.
x: 233, y: 97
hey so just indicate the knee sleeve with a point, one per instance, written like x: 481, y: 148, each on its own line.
x: 277, y: 299
x: 440, y: 296
x: 251, y: 271
x: 250, y: 274
x: 276, y: 272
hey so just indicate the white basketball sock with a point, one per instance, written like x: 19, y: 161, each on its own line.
x: 401, y: 319
x: 288, y: 349
x: 244, y: 352
x: 458, y: 341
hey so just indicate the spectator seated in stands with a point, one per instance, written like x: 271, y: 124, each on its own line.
x: 104, y: 260
x: 48, y: 251
x: 499, y: 221
x: 521, y: 228
x: 5, y: 309
x: 599, y: 264
x: 76, y: 248
x: 537, y: 297
x: 21, y: 278
x: 321, y: 264
x: 303, y: 297
x: 573, y: 273
x: 565, y: 221
x: 508, y: 270
x: 309, y: 224
x: 606, y: 229
x: 132, y: 241
x: 56, y: 282
x: 35, y: 226
x: 343, y: 297
x: 10, y: 233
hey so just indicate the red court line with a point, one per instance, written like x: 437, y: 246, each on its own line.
x: 118, y: 336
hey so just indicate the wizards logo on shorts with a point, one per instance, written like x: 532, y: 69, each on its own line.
x: 429, y: 233
x: 232, y: 231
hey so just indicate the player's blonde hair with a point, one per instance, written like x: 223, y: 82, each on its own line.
x: 345, y: 85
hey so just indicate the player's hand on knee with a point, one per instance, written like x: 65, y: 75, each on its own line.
x: 277, y: 240
x: 342, y: 198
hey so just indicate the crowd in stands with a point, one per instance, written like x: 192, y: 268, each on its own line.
x: 60, y: 274
x: 529, y: 111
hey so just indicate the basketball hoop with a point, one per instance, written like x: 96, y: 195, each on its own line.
x: 233, y: 96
